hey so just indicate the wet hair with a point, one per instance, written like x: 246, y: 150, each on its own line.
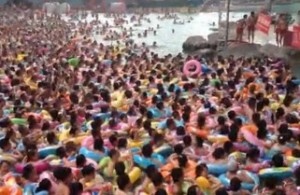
x: 62, y: 173
x: 176, y: 174
x: 44, y: 185
x: 76, y: 188
x: 80, y: 160
x: 61, y: 152
x: 221, y: 120
x: 235, y: 184
x: 123, y: 181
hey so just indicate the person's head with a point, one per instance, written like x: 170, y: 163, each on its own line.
x: 253, y: 154
x: 4, y: 166
x: 5, y: 144
x: 201, y: 170
x: 51, y: 138
x: 122, y: 143
x: 123, y: 182
x: 222, y: 191
x: 178, y: 149
x: 187, y: 140
x: 228, y: 147
x: 98, y: 144
x: 63, y: 174
x: 182, y: 160
x: 161, y: 191
x: 277, y: 160
x: 61, y: 152
x: 194, y: 190
x: 235, y: 184
x: 270, y: 183
x: 32, y: 155
x: 177, y: 175
x: 147, y: 150
x: 219, y: 153
x: 80, y: 160
x: 157, y: 179
x: 233, y: 166
x: 44, y: 185
x: 88, y: 172
x: 29, y: 173
x: 76, y: 188
x: 120, y: 168
x: 114, y: 155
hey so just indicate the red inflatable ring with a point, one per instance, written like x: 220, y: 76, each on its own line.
x: 192, y: 64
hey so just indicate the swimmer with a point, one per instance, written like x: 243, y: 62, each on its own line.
x: 173, y: 31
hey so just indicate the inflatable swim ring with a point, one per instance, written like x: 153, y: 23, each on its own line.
x: 247, y: 186
x: 192, y: 64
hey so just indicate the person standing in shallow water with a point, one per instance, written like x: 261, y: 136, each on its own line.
x: 251, y: 22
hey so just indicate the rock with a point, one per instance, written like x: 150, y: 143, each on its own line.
x: 241, y: 49
x: 195, y: 43
x: 272, y: 51
x: 205, y: 53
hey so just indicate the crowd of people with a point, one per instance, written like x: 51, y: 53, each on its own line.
x: 81, y: 117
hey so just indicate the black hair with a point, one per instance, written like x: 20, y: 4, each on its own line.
x: 199, y: 169
x: 76, y: 188
x: 80, y: 160
x: 187, y: 140
x: 176, y: 174
x: 98, y: 144
x: 44, y: 185
x: 120, y: 168
x: 178, y: 149
x: 122, y: 143
x: 161, y: 191
x: 193, y: 190
x: 277, y: 160
x: 87, y: 170
x: 27, y: 171
x: 228, y: 146
x: 182, y: 160
x: 222, y: 191
x: 62, y: 173
x: 235, y: 184
x: 61, y: 152
x: 218, y: 153
x: 147, y: 150
x: 122, y: 181
x: 157, y: 179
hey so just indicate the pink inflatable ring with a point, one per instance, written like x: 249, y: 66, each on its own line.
x: 189, y: 65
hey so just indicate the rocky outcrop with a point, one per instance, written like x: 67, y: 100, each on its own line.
x: 241, y: 49
x: 195, y: 43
